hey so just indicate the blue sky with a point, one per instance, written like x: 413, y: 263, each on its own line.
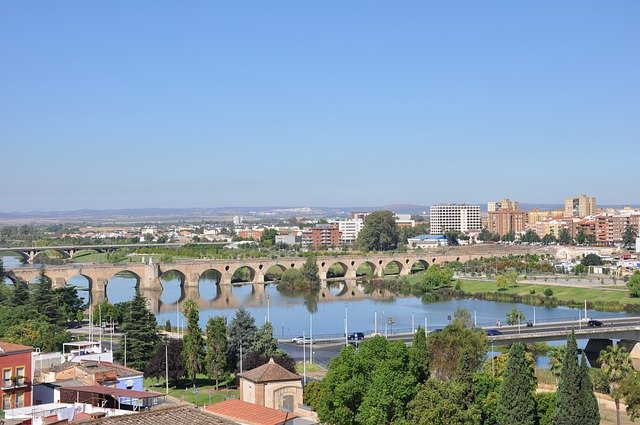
x: 185, y: 104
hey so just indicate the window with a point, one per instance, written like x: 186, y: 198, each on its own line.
x: 19, y: 400
x: 6, y: 378
x: 6, y: 402
x: 20, y: 375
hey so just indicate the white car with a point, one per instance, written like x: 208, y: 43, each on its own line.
x: 303, y: 341
x: 296, y: 339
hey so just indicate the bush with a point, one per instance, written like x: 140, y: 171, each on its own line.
x: 548, y: 292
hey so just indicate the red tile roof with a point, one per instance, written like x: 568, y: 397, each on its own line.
x: 269, y: 372
x: 112, y: 391
x: 180, y: 415
x: 9, y: 348
x: 249, y: 413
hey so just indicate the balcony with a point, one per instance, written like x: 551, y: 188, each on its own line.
x: 15, y: 384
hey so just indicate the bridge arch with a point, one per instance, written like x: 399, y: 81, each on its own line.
x: 274, y: 272
x: 83, y: 284
x: 393, y: 267
x: 24, y: 256
x: 122, y: 286
x: 419, y: 266
x: 243, y: 274
x: 57, y: 253
x: 337, y: 269
x: 209, y: 284
x: 365, y: 268
x: 172, y: 282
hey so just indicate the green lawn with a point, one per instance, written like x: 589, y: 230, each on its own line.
x: 311, y: 367
x: 185, y: 390
x: 561, y: 293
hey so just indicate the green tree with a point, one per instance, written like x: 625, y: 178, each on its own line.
x: 139, y: 326
x: 193, y: 348
x: 269, y: 236
x: 516, y: 404
x: 510, y: 236
x: 616, y: 364
x: 633, y: 284
x: 447, y: 347
x: 68, y: 302
x: 436, y: 277
x: 564, y: 237
x: 548, y: 292
x: 419, y: 356
x: 546, y: 407
x: 38, y: 332
x: 310, y: 271
x: 442, y: 403
x: 581, y: 237
x: 591, y: 260
x: 484, y: 235
x: 530, y: 236
x: 569, y: 396
x: 629, y: 235
x: 379, y: 232
x: 515, y: 316
x: 216, y: 358
x: 20, y: 295
x: 242, y: 333
x: 464, y: 316
x: 556, y: 358
x: 506, y: 280
x: 43, y: 299
x: 548, y: 239
x: 630, y: 389
x: 590, y: 409
x: 264, y: 343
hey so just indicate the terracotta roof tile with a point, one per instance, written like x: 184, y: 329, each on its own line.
x: 8, y: 348
x: 249, y: 413
x: 269, y: 372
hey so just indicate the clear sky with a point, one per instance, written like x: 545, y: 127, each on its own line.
x: 118, y: 104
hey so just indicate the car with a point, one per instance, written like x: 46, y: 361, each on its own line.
x: 592, y: 323
x: 493, y: 332
x: 304, y: 341
x: 296, y: 339
x: 355, y: 336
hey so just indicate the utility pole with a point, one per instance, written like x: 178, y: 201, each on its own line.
x: 310, y: 338
x: 241, y: 357
x: 346, y: 337
x: 413, y: 326
x: 125, y: 350
x: 375, y: 323
x: 304, y: 360
x: 166, y: 366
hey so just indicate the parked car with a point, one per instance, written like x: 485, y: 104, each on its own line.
x: 296, y: 339
x: 304, y: 341
x: 355, y: 336
x: 592, y: 323
x: 493, y: 332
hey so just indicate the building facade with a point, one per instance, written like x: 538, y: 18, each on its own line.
x: 503, y: 204
x: 505, y: 221
x: 322, y: 234
x: 17, y: 375
x: 349, y: 229
x: 461, y: 217
x: 580, y: 206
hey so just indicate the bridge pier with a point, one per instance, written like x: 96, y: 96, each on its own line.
x: 405, y: 270
x: 594, y: 347
x: 58, y: 282
x: 191, y: 280
x: 191, y: 292
x: 31, y: 256
x: 259, y: 277
x: 150, y: 279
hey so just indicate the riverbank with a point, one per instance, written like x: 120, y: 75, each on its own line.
x: 603, y: 299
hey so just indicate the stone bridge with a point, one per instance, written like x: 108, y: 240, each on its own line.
x: 147, y: 274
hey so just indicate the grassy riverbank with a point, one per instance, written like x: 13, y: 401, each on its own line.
x: 601, y: 299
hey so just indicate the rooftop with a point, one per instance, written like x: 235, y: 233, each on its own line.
x: 9, y: 348
x: 269, y: 372
x: 428, y: 237
x: 249, y: 413
x: 182, y: 415
x: 112, y: 391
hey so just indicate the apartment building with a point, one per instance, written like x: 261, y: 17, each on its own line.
x: 322, y: 234
x: 505, y: 221
x: 459, y: 217
x: 580, y: 206
x: 349, y: 229
x: 404, y: 220
x: 17, y: 375
x: 609, y: 228
x: 503, y: 204
x: 536, y: 215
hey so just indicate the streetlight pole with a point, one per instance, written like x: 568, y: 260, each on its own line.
x: 310, y: 338
x: 304, y: 359
x: 346, y: 334
x: 268, y: 305
x: 375, y: 323
x: 413, y: 326
x: 166, y: 366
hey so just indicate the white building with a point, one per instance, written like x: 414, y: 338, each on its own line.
x: 237, y: 220
x: 459, y: 217
x: 427, y: 241
x: 349, y: 229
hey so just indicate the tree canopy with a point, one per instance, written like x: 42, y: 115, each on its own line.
x: 379, y: 233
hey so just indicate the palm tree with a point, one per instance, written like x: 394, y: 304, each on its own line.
x: 616, y: 364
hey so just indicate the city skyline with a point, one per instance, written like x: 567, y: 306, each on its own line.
x: 145, y: 105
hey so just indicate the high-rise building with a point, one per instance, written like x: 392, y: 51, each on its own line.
x: 349, y: 229
x: 459, y: 217
x: 503, y: 204
x: 505, y: 221
x: 580, y: 206
x: 321, y: 234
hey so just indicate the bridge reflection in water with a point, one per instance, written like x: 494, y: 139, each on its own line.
x: 210, y: 295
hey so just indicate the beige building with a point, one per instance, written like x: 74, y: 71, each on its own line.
x: 273, y: 386
x: 503, y: 204
x: 461, y: 217
x: 580, y: 206
x: 536, y: 215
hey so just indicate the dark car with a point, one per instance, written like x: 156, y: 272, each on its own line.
x: 592, y: 323
x: 493, y: 332
x: 355, y: 336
